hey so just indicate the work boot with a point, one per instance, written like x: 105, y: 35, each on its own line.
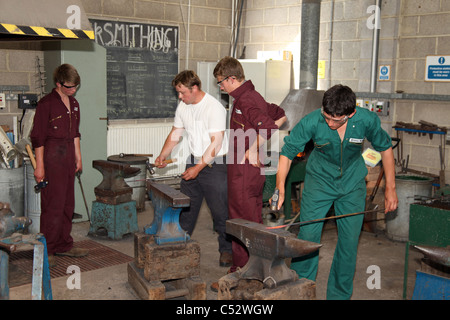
x: 74, y: 252
x: 51, y: 261
x: 226, y: 259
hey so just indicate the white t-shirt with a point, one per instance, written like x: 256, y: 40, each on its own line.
x: 199, y: 120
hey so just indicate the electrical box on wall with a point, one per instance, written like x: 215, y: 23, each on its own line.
x: 27, y: 101
x: 2, y: 101
x: 381, y: 107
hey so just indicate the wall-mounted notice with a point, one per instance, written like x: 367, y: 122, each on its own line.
x: 437, y: 68
x: 142, y: 60
x: 384, y: 73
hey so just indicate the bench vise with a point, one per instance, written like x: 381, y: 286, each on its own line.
x: 167, y: 203
x: 9, y: 223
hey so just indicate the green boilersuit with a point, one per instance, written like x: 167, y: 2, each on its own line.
x: 335, y: 173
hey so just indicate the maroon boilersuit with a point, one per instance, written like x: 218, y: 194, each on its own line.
x: 246, y: 182
x: 55, y: 128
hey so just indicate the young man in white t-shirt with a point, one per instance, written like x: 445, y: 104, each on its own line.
x: 203, y: 118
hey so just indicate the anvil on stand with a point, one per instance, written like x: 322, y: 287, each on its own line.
x: 167, y: 261
x: 114, y: 210
x: 266, y: 275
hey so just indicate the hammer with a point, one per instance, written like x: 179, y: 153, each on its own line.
x: 150, y: 166
x: 274, y: 214
x: 123, y: 155
x: 43, y: 183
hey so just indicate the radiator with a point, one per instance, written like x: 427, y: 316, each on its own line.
x: 147, y: 138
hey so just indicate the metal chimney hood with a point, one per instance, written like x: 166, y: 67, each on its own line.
x: 299, y: 103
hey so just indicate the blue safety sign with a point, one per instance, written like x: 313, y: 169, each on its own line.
x: 385, y: 73
x: 438, y: 68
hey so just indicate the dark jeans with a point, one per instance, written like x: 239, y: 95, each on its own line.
x: 211, y: 184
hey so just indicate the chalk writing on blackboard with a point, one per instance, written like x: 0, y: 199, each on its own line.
x: 142, y: 60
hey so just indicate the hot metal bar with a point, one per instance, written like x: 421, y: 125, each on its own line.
x: 327, y: 218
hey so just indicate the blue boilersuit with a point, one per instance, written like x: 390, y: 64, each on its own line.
x: 335, y: 173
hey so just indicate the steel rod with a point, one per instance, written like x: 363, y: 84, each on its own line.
x: 327, y: 218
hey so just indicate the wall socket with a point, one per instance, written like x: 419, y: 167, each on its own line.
x: 11, y: 96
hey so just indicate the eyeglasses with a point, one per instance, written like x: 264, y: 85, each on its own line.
x: 69, y: 87
x: 219, y: 83
x: 343, y: 120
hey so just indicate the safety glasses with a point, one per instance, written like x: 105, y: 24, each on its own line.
x: 329, y: 119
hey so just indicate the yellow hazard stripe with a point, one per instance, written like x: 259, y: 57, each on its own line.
x: 12, y: 28
x: 47, y: 32
x: 90, y: 34
x: 41, y: 31
x: 67, y: 33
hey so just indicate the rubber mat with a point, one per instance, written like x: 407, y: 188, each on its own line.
x: 100, y: 256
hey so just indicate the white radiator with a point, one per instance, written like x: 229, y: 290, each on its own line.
x: 146, y: 138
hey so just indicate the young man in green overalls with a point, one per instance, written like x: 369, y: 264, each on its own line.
x: 335, y: 173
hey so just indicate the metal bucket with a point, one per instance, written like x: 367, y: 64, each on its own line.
x: 32, y: 199
x: 12, y: 190
x: 138, y: 181
x: 408, y: 188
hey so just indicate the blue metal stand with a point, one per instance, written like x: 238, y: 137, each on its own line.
x: 167, y: 204
x: 4, y: 267
x: 431, y: 287
x: 117, y: 219
x: 42, y: 276
x: 41, y: 283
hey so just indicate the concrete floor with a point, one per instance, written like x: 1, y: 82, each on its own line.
x: 112, y: 284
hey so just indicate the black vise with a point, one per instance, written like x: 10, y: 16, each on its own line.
x: 268, y: 249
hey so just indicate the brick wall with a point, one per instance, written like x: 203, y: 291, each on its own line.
x: 209, y: 29
x: 410, y: 30
x: 209, y: 38
x: 18, y: 67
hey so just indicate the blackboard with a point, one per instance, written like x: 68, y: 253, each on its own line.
x: 142, y: 60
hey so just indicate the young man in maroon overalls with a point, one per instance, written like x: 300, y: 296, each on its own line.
x: 254, y: 120
x: 56, y: 142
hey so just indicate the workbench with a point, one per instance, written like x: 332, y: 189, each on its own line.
x: 423, y: 129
